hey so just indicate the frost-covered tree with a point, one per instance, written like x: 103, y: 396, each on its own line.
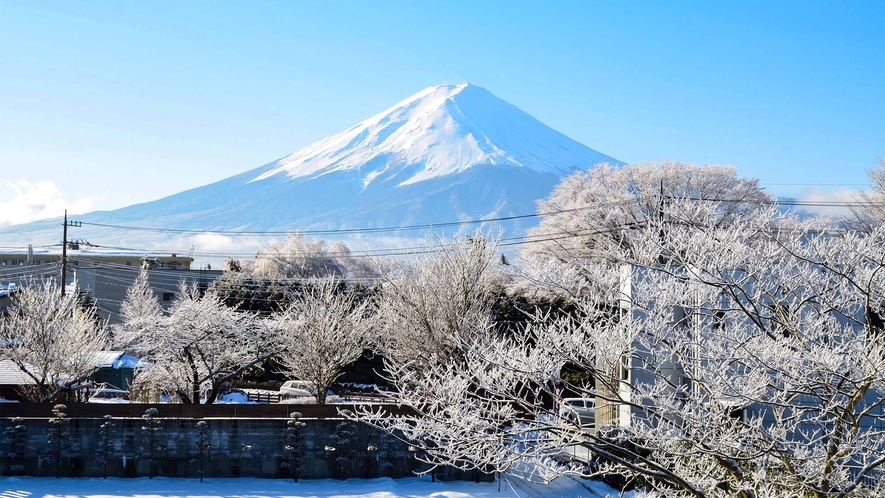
x: 299, y: 257
x: 58, y: 438
x: 597, y: 212
x: 342, y: 448
x: 293, y: 451
x: 51, y: 339
x: 870, y: 210
x: 325, y: 327
x: 727, y: 359
x: 105, y: 447
x: 195, y: 346
x: 140, y: 312
x: 432, y: 303
x: 150, y: 437
x: 202, y: 443
x: 142, y: 322
x: 15, y: 445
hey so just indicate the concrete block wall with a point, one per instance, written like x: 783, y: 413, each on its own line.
x: 237, y: 447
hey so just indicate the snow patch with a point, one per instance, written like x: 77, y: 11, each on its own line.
x: 165, y: 487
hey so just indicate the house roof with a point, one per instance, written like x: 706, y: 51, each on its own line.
x: 115, y: 359
x: 12, y: 375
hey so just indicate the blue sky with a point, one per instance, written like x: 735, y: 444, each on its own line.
x: 104, y: 104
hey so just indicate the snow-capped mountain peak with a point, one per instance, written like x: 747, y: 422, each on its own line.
x: 447, y: 153
x: 436, y: 132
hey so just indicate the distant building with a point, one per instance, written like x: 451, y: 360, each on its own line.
x: 87, y: 256
x: 108, y: 284
x: 102, y: 274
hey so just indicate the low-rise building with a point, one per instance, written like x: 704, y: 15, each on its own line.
x: 103, y: 274
x: 80, y: 255
x: 108, y: 284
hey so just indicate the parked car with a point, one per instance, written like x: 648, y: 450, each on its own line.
x: 580, y: 411
x: 298, y: 388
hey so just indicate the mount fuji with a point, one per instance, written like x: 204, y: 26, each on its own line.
x: 448, y: 153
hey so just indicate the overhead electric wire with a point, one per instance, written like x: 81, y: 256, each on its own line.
x: 334, y: 231
x: 122, y: 281
x: 413, y: 250
x: 431, y: 226
x: 406, y: 251
x: 782, y: 202
x: 263, y: 233
x: 28, y: 271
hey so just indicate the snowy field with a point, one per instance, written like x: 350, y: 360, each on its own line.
x: 417, y: 487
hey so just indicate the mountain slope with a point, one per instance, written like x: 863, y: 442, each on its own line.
x: 448, y: 153
x: 439, y: 131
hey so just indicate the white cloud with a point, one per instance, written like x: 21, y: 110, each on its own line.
x: 827, y: 202
x: 37, y: 201
x: 213, y: 242
x: 215, y: 247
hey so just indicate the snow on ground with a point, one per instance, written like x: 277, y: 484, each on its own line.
x: 416, y: 487
x: 29, y: 487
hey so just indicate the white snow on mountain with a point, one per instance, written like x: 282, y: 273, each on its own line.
x: 447, y: 154
x: 436, y: 132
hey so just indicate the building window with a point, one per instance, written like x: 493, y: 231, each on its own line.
x: 168, y: 296
x: 129, y: 263
x: 623, y: 368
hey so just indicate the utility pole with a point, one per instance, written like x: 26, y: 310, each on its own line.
x: 661, y: 222
x: 64, y: 250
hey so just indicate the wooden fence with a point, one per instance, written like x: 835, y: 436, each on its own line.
x: 263, y: 396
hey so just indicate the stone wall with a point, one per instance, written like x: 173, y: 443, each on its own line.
x: 236, y: 447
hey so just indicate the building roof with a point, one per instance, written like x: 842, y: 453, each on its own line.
x: 12, y: 375
x: 93, y: 252
x: 116, y: 359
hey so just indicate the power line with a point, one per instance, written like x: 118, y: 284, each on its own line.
x: 386, y: 252
x: 412, y: 250
x: 428, y: 226
x: 361, y: 230
x: 784, y: 202
x: 448, y: 224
